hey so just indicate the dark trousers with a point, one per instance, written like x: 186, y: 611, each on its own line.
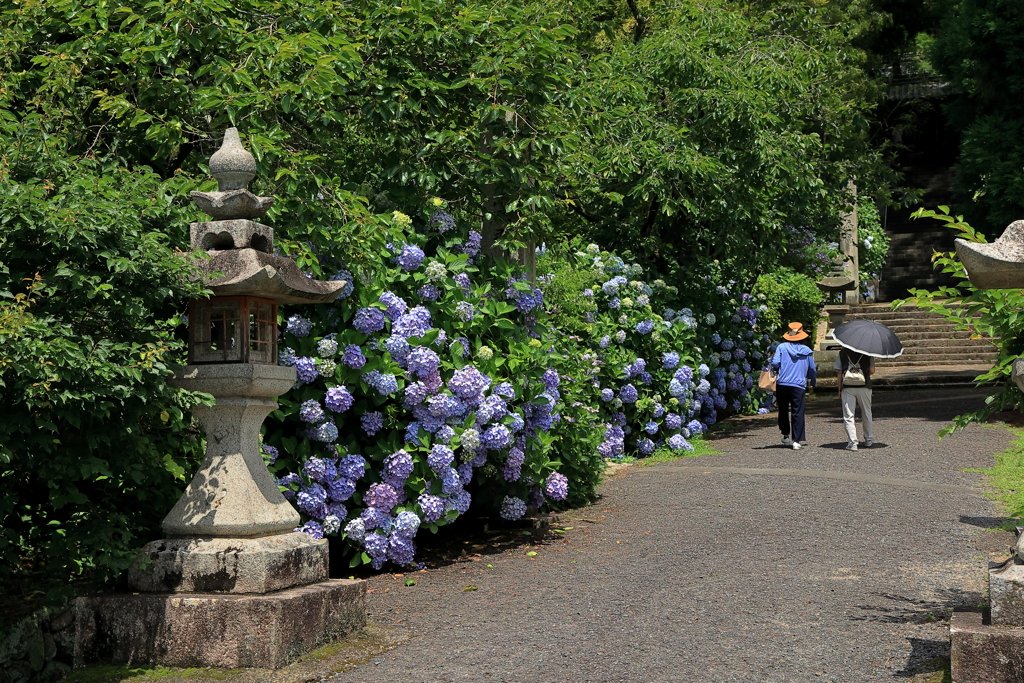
x: 791, y: 399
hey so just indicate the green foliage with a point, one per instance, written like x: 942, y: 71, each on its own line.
x: 788, y: 297
x: 980, y: 47
x: 94, y: 445
x: 993, y: 314
x: 874, y: 242
x: 1007, y: 476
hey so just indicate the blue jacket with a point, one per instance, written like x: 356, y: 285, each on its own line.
x: 794, y: 364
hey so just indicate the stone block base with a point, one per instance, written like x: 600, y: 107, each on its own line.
x: 229, y: 565
x: 985, y: 654
x: 1006, y: 593
x: 230, y: 631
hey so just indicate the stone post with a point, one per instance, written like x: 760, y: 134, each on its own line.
x: 848, y: 245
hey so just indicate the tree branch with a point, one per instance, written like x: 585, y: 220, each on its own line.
x: 641, y: 21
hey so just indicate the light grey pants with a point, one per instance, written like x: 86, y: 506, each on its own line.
x: 853, y: 397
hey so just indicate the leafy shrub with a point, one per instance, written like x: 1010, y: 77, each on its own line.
x: 874, y: 242
x: 993, y: 314
x: 788, y: 296
x: 94, y: 444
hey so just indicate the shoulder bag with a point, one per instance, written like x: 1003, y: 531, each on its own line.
x: 767, y: 381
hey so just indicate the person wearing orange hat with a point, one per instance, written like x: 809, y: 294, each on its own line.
x: 793, y: 363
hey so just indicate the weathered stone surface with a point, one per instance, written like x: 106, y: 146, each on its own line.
x: 232, y: 165
x: 229, y: 565
x: 995, y: 265
x: 248, y: 272
x: 265, y: 631
x: 233, y: 494
x: 1006, y: 593
x: 985, y: 654
x: 232, y: 204
x: 231, y: 234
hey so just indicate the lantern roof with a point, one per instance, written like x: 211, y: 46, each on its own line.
x: 242, y: 260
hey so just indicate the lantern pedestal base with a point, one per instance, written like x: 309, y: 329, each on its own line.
x: 229, y: 565
x: 230, y: 631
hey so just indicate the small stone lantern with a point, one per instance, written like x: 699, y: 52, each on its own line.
x: 233, y: 584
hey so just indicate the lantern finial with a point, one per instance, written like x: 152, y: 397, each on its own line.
x: 233, y: 167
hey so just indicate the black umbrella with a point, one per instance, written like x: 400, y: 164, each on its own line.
x: 869, y: 338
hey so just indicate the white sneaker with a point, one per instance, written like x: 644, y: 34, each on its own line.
x: 786, y: 441
x: 796, y: 446
x: 852, y: 446
x: 869, y: 443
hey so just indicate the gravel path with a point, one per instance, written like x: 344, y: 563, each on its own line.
x: 758, y: 564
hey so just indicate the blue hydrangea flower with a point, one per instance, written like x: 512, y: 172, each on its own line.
x: 607, y: 395
x: 505, y: 389
x: 628, y: 394
x: 614, y: 304
x: 512, y: 508
x: 605, y: 341
x: 556, y: 486
x: 316, y: 469
x: 645, y: 446
x: 369, y: 320
x: 677, y: 442
x: 305, y: 369
x: 429, y: 292
x: 645, y: 327
x: 340, y: 490
x: 445, y: 434
x: 352, y: 466
x: 442, y: 221
x: 356, y: 529
x: 325, y: 432
x: 512, y: 469
x: 348, y: 278
x: 669, y: 360
x: 473, y: 243
x: 673, y: 421
x: 398, y: 465
x: 465, y: 311
x: 415, y: 323
x: 406, y: 524
x: 299, y: 326
x: 270, y: 451
x: 550, y: 378
x: 651, y: 427
x: 496, y: 436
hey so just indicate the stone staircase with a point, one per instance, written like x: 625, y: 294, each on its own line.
x: 928, y: 339
x: 935, y: 353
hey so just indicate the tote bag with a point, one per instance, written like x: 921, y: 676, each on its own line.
x: 767, y: 381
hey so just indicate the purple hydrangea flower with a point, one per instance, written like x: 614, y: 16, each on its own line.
x: 423, y: 362
x: 605, y: 341
x: 406, y: 524
x: 313, y: 529
x: 311, y: 501
x: 496, y: 436
x: 645, y: 446
x: 381, y: 496
x: 398, y: 465
x: 628, y: 394
x: 395, y: 304
x: 442, y: 221
x: 271, y: 451
x: 369, y: 320
x: 505, y: 389
x: 316, y: 469
x: 473, y: 242
x: 468, y: 381
x: 550, y: 378
x: 670, y: 360
x: 645, y: 327
x: 311, y: 411
x: 556, y: 486
x: 432, y: 506
x: 607, y: 395
x: 673, y: 421
x: 512, y: 508
x: 415, y: 323
x: 411, y: 258
x: 305, y: 368
x: 372, y: 422
x: 338, y: 399
x: 465, y: 311
x: 677, y: 442
x: 353, y: 357
x: 463, y: 281
x: 429, y: 292
x: 441, y: 457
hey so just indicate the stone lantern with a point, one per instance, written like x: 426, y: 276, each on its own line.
x: 233, y: 584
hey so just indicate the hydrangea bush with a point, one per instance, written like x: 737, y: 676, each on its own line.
x: 430, y: 386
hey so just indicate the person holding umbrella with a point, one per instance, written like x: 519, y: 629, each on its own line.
x: 793, y: 363
x: 862, y: 342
